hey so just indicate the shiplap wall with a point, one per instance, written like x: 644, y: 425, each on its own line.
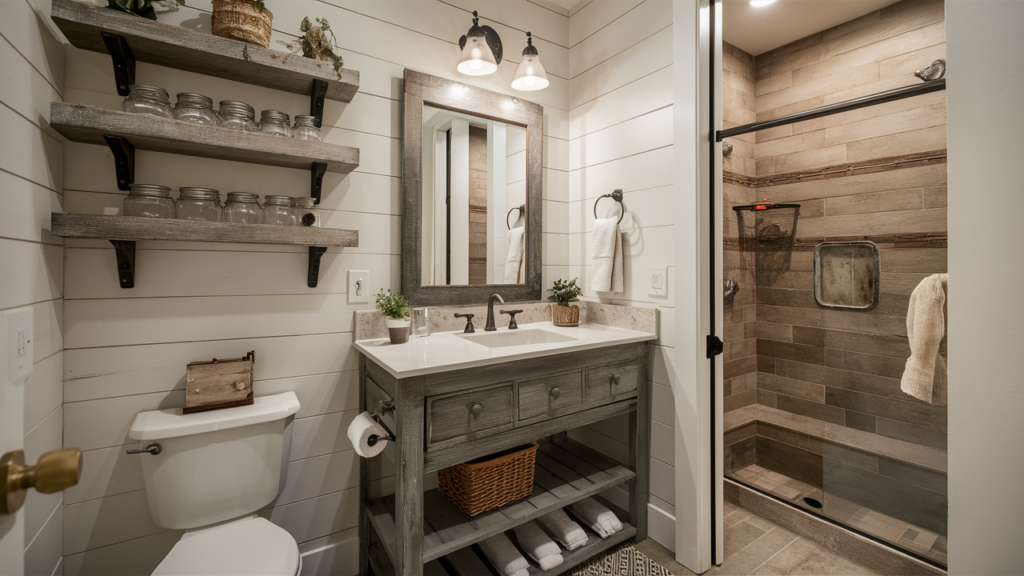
x: 32, y: 261
x: 620, y: 129
x: 127, y: 349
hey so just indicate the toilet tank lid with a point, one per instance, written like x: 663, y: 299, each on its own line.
x: 171, y: 423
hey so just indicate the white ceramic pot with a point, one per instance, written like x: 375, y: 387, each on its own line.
x: 398, y: 330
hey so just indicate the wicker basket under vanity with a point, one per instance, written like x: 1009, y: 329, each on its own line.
x: 242, y: 20
x: 489, y: 482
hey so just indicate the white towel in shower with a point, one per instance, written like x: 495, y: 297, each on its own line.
x: 924, y: 377
x: 560, y: 527
x: 504, y: 556
x: 514, y: 261
x: 606, y: 272
x: 600, y: 519
x: 538, y: 546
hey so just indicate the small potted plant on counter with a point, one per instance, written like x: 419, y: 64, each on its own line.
x: 563, y: 294
x: 396, y: 315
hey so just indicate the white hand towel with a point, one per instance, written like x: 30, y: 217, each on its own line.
x: 925, y: 375
x: 504, y: 556
x: 600, y: 519
x: 359, y: 431
x: 538, y: 546
x: 514, y: 261
x: 606, y: 273
x: 560, y: 527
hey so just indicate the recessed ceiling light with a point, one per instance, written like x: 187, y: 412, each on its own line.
x: 760, y: 3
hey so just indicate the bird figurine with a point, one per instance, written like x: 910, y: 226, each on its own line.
x: 934, y: 72
x: 726, y: 148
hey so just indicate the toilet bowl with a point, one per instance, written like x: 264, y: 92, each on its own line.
x: 213, y: 472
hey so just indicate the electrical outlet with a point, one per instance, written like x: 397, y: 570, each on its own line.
x: 658, y: 283
x: 19, y: 336
x: 358, y: 286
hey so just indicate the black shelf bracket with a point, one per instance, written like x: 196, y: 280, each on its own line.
x: 124, y: 160
x: 124, y: 61
x: 316, y: 101
x: 315, y: 253
x: 125, y: 251
x: 316, y: 173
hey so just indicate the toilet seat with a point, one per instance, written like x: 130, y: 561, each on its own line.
x: 250, y: 545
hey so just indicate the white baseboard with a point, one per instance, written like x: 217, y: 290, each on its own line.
x: 333, y: 555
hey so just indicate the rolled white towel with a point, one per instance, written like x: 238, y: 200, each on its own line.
x: 600, y: 519
x: 504, y: 556
x: 538, y: 546
x: 563, y: 529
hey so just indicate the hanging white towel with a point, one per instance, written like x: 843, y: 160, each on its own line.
x: 925, y: 375
x: 514, y: 261
x: 606, y: 273
x: 504, y: 556
x: 560, y: 527
x: 538, y: 546
x: 600, y: 519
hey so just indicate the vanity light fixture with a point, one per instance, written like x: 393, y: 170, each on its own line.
x: 531, y: 74
x: 481, y: 50
x: 760, y: 3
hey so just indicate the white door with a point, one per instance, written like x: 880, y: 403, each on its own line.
x: 12, y: 526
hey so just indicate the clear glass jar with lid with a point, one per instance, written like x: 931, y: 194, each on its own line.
x: 278, y: 211
x: 237, y: 115
x: 195, y: 108
x: 306, y: 213
x: 149, y: 201
x: 201, y: 204
x: 242, y: 208
x: 146, y: 99
x: 305, y: 129
x: 275, y: 123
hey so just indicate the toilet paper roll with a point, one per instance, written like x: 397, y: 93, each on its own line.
x: 359, y: 432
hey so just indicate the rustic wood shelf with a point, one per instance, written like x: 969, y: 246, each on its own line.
x: 176, y: 47
x: 90, y: 125
x: 565, y: 473
x: 124, y: 231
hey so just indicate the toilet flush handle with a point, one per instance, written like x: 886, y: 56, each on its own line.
x: 153, y: 449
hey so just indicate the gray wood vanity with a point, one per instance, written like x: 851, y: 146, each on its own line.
x: 447, y: 417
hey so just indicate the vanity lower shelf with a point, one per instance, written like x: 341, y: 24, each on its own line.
x: 565, y: 473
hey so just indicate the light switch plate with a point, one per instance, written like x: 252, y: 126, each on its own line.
x: 657, y: 284
x: 358, y: 286
x: 19, y: 337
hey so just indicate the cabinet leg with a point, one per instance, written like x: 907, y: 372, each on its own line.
x: 639, y: 453
x: 409, y: 478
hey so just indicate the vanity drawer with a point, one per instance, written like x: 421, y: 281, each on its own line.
x: 551, y: 396
x: 611, y: 382
x: 467, y: 415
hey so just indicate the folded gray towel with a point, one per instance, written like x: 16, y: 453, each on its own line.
x: 560, y: 527
x: 504, y: 556
x: 600, y: 519
x: 538, y: 546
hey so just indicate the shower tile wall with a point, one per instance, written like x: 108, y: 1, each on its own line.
x: 843, y: 366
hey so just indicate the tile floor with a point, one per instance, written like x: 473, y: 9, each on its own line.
x: 903, y: 534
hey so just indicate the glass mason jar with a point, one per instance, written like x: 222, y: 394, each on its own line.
x: 242, y: 208
x: 149, y: 201
x: 199, y: 204
x: 146, y: 99
x: 195, y: 108
x: 275, y: 123
x: 278, y: 211
x: 237, y: 115
x: 305, y: 129
x: 306, y: 213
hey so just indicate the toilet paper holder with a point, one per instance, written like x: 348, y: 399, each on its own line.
x: 378, y: 413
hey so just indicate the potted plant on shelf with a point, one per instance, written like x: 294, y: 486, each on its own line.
x: 563, y: 294
x: 245, y: 20
x: 317, y: 42
x: 396, y: 315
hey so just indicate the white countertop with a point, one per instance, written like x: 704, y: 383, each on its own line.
x: 446, y: 351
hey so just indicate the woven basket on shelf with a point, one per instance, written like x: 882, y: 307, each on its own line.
x: 486, y: 484
x: 241, y: 20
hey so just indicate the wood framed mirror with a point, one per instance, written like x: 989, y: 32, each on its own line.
x: 471, y: 194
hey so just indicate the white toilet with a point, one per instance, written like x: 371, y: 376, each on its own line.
x: 214, y: 470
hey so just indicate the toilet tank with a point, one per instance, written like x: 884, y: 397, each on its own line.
x: 216, y: 465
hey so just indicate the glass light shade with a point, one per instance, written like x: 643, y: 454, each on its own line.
x: 477, y: 58
x: 530, y: 75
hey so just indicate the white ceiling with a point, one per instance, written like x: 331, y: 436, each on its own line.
x: 758, y: 30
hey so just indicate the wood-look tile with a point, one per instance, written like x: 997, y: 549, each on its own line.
x: 879, y: 344
x: 878, y: 202
x: 786, y: 297
x: 851, y: 26
x: 790, y: 351
x: 865, y: 183
x: 935, y: 197
x: 910, y: 433
x: 914, y: 475
x: 791, y: 48
x: 789, y: 461
x: 772, y: 331
x: 826, y: 413
x: 766, y: 398
x: 786, y: 436
x: 791, y: 387
x: 809, y: 336
x: 883, y: 30
x: 923, y: 415
x: 860, y: 421
x: 901, y: 65
x: 923, y: 140
x: 739, y: 367
x: 903, y: 502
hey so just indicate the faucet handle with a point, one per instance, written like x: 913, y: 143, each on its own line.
x: 469, y: 322
x: 512, y: 318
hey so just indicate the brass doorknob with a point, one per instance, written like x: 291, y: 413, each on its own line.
x: 56, y: 470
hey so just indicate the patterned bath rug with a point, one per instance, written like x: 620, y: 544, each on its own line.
x: 625, y: 560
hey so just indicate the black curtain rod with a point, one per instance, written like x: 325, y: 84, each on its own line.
x: 880, y: 98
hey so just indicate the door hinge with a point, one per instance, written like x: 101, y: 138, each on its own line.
x: 715, y: 346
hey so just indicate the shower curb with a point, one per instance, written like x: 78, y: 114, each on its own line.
x: 837, y: 539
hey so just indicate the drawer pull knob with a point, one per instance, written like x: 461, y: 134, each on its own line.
x: 555, y: 392
x: 240, y: 385
x: 616, y: 378
x: 476, y: 409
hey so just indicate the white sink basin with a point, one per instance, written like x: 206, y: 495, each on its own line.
x: 505, y: 338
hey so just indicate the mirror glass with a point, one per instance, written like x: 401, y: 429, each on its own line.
x: 474, y: 200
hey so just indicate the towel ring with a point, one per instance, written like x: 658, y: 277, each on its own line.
x: 615, y: 195
x: 522, y: 210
